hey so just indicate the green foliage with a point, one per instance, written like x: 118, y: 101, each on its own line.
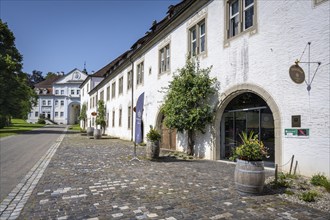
x: 83, y: 114
x: 186, y: 105
x: 41, y: 119
x: 101, y: 111
x: 309, y: 196
x: 153, y: 134
x: 320, y: 180
x: 13, y: 82
x: 251, y: 148
x: 18, y: 126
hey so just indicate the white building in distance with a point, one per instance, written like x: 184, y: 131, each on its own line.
x: 251, y: 45
x: 59, y: 98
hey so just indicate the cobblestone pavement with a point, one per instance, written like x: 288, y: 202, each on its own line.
x: 95, y: 179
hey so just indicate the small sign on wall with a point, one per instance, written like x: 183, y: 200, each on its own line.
x: 296, y: 132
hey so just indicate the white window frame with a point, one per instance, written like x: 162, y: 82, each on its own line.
x: 140, y: 73
x: 113, y: 90
x: 165, y: 59
x: 121, y: 85
x: 195, y: 38
x: 240, y: 15
x: 129, y: 79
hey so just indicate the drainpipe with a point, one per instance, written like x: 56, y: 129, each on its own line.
x: 132, y: 104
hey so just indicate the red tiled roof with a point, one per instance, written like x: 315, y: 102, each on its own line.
x: 47, y: 83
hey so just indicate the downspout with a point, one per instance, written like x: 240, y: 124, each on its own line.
x: 132, y: 103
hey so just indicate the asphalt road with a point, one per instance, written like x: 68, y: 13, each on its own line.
x: 19, y: 153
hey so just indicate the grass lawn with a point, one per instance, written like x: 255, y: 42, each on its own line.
x: 18, y: 126
x: 75, y: 127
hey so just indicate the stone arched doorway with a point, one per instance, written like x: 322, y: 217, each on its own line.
x: 73, y: 113
x: 247, y: 107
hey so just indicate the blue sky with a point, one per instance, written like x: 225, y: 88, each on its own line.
x: 60, y: 35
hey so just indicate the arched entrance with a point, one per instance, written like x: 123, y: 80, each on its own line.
x: 168, y: 140
x: 247, y: 107
x: 73, y: 113
x: 247, y: 112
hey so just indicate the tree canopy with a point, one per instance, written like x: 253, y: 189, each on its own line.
x: 187, y: 103
x: 101, y: 111
x: 17, y: 97
x: 83, y: 114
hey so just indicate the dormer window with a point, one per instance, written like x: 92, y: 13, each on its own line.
x: 44, y: 91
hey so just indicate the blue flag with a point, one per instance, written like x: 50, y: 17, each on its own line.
x: 138, y: 119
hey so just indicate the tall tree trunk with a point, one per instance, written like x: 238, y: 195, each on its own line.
x: 190, y: 148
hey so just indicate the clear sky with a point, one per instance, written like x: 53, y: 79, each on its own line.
x: 60, y: 35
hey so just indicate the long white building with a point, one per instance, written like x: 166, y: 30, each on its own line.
x: 251, y: 45
x: 59, y: 98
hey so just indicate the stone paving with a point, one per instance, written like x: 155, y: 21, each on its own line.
x: 95, y: 179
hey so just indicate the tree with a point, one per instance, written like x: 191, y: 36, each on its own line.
x: 16, y: 97
x: 50, y: 75
x: 100, y: 118
x: 187, y: 103
x: 83, y: 114
x: 35, y: 77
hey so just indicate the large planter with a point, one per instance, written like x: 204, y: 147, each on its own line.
x: 152, y: 149
x: 90, y: 131
x: 249, y: 177
x: 97, y: 133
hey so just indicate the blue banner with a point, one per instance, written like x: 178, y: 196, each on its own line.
x: 138, y: 119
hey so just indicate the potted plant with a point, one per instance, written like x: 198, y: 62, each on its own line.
x: 153, y: 139
x: 249, y: 171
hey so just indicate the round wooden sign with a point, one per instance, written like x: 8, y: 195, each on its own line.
x: 297, y: 74
x: 94, y: 113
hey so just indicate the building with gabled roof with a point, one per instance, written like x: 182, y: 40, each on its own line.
x: 59, y: 98
x: 254, y: 48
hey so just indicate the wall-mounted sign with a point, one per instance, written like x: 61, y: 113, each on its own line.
x: 297, y: 74
x: 297, y: 132
x: 94, y: 113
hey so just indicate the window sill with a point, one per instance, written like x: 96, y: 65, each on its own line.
x: 251, y: 31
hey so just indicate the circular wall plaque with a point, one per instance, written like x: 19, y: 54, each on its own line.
x: 297, y: 74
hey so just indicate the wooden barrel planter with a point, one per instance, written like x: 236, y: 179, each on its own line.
x: 97, y: 133
x: 90, y: 131
x: 152, y: 149
x: 249, y: 177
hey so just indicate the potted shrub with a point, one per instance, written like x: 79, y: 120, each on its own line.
x: 249, y: 171
x: 153, y: 139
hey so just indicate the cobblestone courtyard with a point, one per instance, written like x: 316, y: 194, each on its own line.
x: 95, y: 179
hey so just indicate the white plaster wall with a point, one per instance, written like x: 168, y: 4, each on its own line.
x: 262, y: 59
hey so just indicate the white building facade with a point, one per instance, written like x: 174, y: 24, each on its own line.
x: 59, y: 98
x: 251, y: 46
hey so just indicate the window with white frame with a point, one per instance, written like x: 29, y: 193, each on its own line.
x: 240, y: 16
x: 56, y: 114
x: 56, y: 102
x: 113, y: 90
x: 129, y: 113
x: 120, y: 116
x: 62, y: 92
x: 164, y: 59
x: 78, y: 91
x: 62, y: 114
x: 120, y: 86
x: 197, y: 39
x: 43, y: 102
x: 102, y: 95
x: 139, y: 73
x: 48, y: 102
x: 56, y: 91
x: 129, y: 79
x: 62, y: 102
x: 108, y: 93
x: 72, y: 91
x: 36, y: 114
x: 113, y: 118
